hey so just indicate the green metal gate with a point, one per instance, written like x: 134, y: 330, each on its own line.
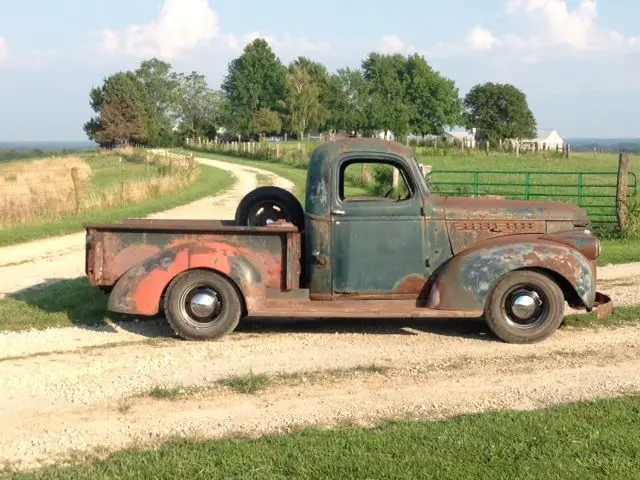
x: 596, y: 192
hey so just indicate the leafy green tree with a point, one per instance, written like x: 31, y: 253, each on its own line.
x: 388, y: 109
x: 348, y: 101
x: 123, y: 110
x: 161, y: 84
x: 434, y: 101
x: 303, y: 108
x: 499, y: 112
x: 199, y: 107
x: 254, y: 81
x: 321, y: 79
x: 265, y: 121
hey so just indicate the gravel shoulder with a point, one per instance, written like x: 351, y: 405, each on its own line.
x: 43, y: 262
x: 85, y: 401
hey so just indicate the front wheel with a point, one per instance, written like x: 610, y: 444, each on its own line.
x: 525, y: 307
x: 202, y: 305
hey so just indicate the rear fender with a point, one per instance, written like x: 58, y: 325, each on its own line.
x: 139, y: 290
x: 465, y: 282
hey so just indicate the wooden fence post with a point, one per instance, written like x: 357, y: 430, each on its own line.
x: 622, y: 206
x: 75, y: 178
x: 121, y: 180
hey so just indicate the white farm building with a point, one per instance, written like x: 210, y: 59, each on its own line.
x: 545, y: 140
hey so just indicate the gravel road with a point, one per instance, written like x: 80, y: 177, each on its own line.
x: 57, y: 404
x: 72, y: 390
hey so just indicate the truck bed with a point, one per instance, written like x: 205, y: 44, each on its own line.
x: 113, y: 249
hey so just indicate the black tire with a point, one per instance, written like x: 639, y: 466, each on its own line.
x: 184, y: 320
x: 275, y: 203
x: 539, y: 314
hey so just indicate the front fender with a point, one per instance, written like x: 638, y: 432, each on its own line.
x: 465, y: 282
x: 139, y: 290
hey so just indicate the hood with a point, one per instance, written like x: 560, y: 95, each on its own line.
x: 462, y: 208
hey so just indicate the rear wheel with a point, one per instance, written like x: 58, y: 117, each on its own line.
x: 202, y: 305
x: 266, y: 205
x: 525, y: 307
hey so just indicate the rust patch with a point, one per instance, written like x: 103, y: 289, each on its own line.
x: 413, y: 284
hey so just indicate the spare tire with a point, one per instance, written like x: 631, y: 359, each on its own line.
x: 266, y: 205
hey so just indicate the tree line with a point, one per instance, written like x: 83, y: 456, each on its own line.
x: 260, y: 96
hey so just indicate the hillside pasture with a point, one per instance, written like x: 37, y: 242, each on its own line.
x: 42, y: 198
x: 50, y: 189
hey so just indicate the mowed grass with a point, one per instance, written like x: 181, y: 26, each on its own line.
x: 210, y: 181
x: 62, y: 304
x: 591, y: 440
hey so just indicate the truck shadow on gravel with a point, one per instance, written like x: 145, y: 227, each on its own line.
x: 475, y: 329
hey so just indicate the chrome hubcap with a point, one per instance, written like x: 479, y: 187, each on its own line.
x: 201, y: 304
x: 204, y: 303
x: 525, y: 307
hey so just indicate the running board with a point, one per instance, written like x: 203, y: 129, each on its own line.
x: 355, y: 309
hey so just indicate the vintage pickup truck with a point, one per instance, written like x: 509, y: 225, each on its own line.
x: 355, y: 251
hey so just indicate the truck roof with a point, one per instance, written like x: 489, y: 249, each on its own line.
x: 346, y: 145
x: 318, y: 176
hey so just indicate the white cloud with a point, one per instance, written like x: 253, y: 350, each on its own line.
x: 181, y: 25
x: 545, y: 28
x: 4, y: 50
x: 26, y: 59
x: 555, y: 24
x: 391, y: 44
x: 479, y: 38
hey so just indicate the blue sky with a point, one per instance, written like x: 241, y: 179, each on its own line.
x: 578, y: 61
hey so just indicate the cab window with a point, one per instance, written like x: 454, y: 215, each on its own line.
x: 364, y: 180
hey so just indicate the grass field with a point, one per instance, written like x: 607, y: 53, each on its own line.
x: 136, y: 190
x: 586, y: 440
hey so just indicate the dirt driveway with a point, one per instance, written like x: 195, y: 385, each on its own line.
x: 77, y: 401
x: 76, y: 389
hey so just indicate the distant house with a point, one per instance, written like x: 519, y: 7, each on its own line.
x: 545, y: 140
x: 468, y: 139
x: 386, y: 135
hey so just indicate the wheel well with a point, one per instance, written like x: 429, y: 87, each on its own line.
x: 243, y: 301
x: 568, y: 290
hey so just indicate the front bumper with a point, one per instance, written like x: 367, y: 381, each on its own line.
x: 603, y: 306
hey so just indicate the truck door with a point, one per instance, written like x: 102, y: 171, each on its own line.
x: 377, y: 229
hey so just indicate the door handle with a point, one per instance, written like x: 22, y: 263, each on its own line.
x: 320, y: 259
x: 337, y: 212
